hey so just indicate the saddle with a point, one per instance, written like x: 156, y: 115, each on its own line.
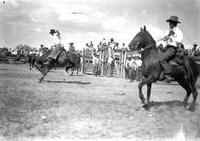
x: 178, y: 60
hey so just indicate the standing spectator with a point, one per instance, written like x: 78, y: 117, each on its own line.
x: 124, y: 48
x: 104, y: 42
x: 96, y: 63
x: 110, y: 67
x: 91, y: 45
x: 138, y: 68
x: 110, y: 64
x: 116, y: 46
x: 99, y: 46
x: 130, y: 68
x: 87, y: 47
x: 111, y: 46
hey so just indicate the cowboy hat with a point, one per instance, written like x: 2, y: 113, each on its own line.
x: 52, y: 31
x: 173, y: 19
x: 195, y: 44
x: 71, y: 43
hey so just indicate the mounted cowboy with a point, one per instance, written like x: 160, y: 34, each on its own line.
x: 171, y: 42
x: 71, y: 48
x: 56, y: 46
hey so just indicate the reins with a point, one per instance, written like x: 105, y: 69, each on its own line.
x: 147, y: 47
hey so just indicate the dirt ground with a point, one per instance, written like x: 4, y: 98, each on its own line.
x: 85, y: 107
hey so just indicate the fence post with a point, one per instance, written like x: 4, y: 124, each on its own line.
x: 124, y: 63
x: 121, y: 60
x: 83, y: 59
x: 102, y: 59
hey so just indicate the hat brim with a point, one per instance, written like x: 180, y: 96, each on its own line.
x: 169, y: 20
x: 52, y: 32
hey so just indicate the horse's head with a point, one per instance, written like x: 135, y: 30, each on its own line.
x: 141, y: 40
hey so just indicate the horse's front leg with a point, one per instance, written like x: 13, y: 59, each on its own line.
x: 72, y: 72
x: 148, y: 92
x: 149, y: 80
x: 44, y: 73
x: 141, y: 84
x: 77, y: 70
x: 30, y: 65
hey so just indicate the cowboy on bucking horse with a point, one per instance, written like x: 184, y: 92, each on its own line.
x: 56, y: 47
x: 55, y: 51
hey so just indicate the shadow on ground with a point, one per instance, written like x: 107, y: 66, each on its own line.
x: 63, y: 81
x: 171, y: 104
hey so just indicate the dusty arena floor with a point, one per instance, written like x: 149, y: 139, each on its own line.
x: 85, y: 107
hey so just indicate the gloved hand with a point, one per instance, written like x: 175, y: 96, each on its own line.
x: 161, y: 48
x: 171, y: 32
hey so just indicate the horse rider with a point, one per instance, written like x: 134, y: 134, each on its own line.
x: 194, y: 49
x: 56, y: 47
x: 71, y: 48
x: 171, y: 42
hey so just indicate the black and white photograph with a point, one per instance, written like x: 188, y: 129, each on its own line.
x: 99, y: 70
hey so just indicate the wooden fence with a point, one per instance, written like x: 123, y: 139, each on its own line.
x: 120, y: 57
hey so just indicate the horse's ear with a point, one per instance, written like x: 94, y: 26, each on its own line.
x: 145, y: 28
x: 141, y: 29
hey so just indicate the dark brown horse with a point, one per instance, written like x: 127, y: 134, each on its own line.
x: 151, y: 68
x: 70, y: 61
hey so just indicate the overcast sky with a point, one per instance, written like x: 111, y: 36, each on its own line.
x: 82, y: 21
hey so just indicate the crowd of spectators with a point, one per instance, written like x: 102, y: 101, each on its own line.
x: 132, y: 65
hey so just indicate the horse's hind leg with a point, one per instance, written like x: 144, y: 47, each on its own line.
x: 30, y: 66
x: 185, y: 101
x: 195, y: 94
x: 148, y: 92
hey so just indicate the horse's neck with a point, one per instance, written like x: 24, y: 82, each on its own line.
x: 151, y: 52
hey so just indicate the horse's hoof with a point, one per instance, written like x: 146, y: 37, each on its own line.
x: 146, y: 107
x: 185, y: 104
x: 143, y: 100
x: 191, y: 108
x: 40, y: 80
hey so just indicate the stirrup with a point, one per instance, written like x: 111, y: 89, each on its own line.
x: 168, y: 78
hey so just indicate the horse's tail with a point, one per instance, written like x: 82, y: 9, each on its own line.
x: 192, y: 69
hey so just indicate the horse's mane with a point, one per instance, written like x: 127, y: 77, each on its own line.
x: 149, y: 37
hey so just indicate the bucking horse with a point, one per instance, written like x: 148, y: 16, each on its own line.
x: 70, y: 61
x: 151, y: 69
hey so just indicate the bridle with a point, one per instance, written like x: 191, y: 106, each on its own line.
x: 148, y: 46
x: 145, y: 48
